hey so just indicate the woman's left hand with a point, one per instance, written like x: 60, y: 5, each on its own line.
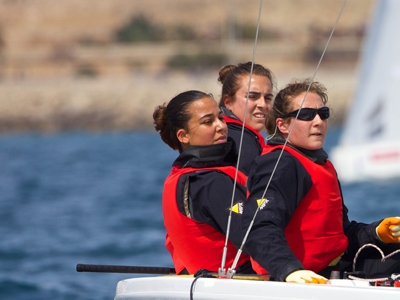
x: 389, y: 230
x: 305, y: 276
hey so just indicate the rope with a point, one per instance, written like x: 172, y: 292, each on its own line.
x: 368, y: 279
x: 202, y: 273
x: 394, y: 277
x: 221, y: 271
x: 377, y: 248
x: 280, y: 155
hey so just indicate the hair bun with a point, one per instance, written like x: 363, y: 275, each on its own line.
x: 224, y: 72
x: 160, y: 119
x: 169, y: 118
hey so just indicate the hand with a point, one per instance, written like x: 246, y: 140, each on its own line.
x: 389, y: 230
x: 305, y: 276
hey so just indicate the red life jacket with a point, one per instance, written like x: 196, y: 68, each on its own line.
x: 260, y: 137
x: 194, y: 245
x: 315, y: 232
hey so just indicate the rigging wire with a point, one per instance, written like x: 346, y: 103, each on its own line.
x: 221, y: 271
x: 231, y: 271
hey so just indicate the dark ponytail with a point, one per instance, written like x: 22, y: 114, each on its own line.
x: 168, y: 119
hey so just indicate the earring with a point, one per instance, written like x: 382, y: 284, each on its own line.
x: 271, y: 136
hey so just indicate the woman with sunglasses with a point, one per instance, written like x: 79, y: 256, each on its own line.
x: 302, y: 227
x: 197, y: 194
x: 235, y: 85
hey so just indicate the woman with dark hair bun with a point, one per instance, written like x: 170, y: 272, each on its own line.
x: 302, y: 232
x: 235, y: 85
x: 198, y: 192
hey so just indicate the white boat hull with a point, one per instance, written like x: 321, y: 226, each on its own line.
x: 176, y: 287
x: 367, y: 161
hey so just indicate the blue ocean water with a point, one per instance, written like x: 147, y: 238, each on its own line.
x: 96, y: 199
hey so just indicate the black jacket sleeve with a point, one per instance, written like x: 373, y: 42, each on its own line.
x: 358, y: 234
x: 210, y: 194
x: 266, y: 242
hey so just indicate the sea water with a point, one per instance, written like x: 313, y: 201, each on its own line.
x: 96, y: 199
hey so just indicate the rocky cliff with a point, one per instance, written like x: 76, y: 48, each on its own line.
x: 65, y: 65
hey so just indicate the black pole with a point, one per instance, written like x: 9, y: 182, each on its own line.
x: 124, y: 269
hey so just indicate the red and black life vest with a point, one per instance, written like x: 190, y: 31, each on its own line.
x: 315, y: 231
x: 260, y: 137
x: 194, y: 245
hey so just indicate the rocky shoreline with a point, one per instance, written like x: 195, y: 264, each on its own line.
x: 127, y: 103
x: 62, y: 67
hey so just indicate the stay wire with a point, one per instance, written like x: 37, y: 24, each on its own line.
x: 231, y: 270
x: 221, y: 271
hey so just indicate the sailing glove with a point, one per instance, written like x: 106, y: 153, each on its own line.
x: 305, y: 276
x: 389, y: 230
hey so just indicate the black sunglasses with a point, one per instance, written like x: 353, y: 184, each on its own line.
x: 308, y: 114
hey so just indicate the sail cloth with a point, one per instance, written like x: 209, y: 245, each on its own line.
x: 370, y: 145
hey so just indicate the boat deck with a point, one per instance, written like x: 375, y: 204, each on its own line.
x: 177, y: 287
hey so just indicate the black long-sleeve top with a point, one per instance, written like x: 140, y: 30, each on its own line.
x: 251, y: 147
x: 266, y: 242
x: 210, y: 191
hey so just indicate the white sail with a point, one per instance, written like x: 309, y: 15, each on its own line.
x: 370, y: 145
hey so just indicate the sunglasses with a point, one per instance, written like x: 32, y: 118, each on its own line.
x: 308, y: 114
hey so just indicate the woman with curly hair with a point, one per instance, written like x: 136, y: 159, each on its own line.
x: 302, y: 227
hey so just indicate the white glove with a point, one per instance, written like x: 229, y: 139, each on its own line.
x: 305, y: 276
